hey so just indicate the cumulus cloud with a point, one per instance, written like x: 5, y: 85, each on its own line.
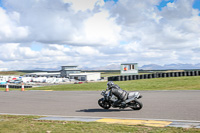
x: 96, y: 33
x: 13, y: 51
x: 159, y: 34
x: 83, y: 5
x: 64, y: 22
x: 98, y: 30
x: 10, y: 28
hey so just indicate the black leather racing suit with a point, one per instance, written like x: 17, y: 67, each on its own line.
x: 119, y: 93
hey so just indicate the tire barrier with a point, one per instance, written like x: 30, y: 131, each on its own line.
x: 154, y: 75
x: 16, y: 86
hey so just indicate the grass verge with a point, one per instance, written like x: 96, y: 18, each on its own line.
x: 11, y: 73
x: 175, y: 83
x: 28, y: 124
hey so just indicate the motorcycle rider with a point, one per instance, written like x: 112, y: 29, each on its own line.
x: 122, y: 95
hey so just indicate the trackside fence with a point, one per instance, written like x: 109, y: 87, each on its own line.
x: 16, y: 86
x: 153, y: 75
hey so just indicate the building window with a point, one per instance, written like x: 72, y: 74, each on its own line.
x: 132, y: 67
x: 83, y: 79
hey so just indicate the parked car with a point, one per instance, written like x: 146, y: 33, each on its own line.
x: 17, y: 81
x: 11, y: 81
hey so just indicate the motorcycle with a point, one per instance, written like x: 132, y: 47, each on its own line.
x: 109, y: 100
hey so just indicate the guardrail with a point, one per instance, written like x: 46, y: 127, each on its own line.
x: 16, y: 86
x: 153, y: 75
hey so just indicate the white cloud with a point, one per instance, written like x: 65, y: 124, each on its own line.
x: 13, y: 51
x: 87, y: 51
x: 10, y: 30
x: 82, y: 5
x: 94, y: 33
x: 3, y: 69
x: 63, y: 22
x: 98, y: 30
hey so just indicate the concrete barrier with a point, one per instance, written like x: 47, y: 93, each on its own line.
x: 145, y: 76
x: 188, y: 73
x: 137, y: 77
x: 130, y: 77
x: 167, y: 74
x: 192, y: 73
x: 126, y: 78
x: 153, y: 75
x: 149, y: 76
x: 115, y: 78
x: 156, y: 75
x: 118, y: 78
x: 164, y: 75
x: 172, y: 74
x: 176, y: 74
x: 184, y: 74
x: 160, y: 75
x: 196, y: 73
x: 109, y: 78
x: 122, y: 78
x: 180, y: 74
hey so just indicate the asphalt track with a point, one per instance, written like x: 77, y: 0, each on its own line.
x: 174, y: 105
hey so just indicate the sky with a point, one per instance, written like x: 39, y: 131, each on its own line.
x: 45, y: 34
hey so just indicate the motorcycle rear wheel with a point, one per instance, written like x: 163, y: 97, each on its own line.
x: 136, y: 105
x: 104, y: 104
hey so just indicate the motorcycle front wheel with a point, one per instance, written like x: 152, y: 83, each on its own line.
x: 104, y: 104
x: 136, y: 105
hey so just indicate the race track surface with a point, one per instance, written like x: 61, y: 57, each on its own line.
x: 176, y: 105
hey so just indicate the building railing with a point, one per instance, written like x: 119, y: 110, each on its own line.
x: 153, y: 75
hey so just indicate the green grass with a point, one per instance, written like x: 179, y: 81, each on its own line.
x: 29, y: 124
x: 108, y: 74
x: 176, y: 83
x: 11, y: 73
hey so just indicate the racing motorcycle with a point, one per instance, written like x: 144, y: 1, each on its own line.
x: 108, y: 100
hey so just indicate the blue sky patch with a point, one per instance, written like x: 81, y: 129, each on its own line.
x: 163, y: 3
x: 124, y: 42
x: 1, y: 4
x: 111, y: 0
x: 36, y: 46
x: 66, y: 46
x: 196, y: 4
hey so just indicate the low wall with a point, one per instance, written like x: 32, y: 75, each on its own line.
x: 16, y: 86
x: 153, y: 75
